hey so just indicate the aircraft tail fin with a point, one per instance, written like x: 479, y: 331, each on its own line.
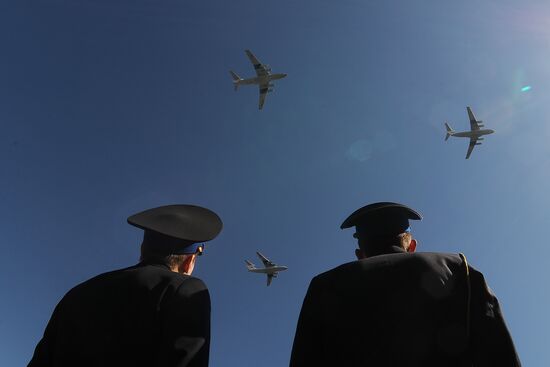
x: 249, y: 265
x: 236, y: 79
x: 450, y: 131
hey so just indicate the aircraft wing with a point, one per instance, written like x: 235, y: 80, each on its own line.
x: 474, y: 124
x: 263, y: 93
x: 267, y: 263
x: 269, y: 279
x: 473, y: 143
x: 261, y: 69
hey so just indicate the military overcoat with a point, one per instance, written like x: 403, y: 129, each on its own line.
x: 144, y: 315
x: 402, y: 309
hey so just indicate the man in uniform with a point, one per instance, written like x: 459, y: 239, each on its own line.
x: 151, y: 314
x: 395, y: 307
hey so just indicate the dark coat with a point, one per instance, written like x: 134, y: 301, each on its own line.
x: 401, y: 309
x: 145, y: 315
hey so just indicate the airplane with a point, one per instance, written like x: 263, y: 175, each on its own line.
x: 263, y: 77
x: 270, y: 268
x: 474, y: 134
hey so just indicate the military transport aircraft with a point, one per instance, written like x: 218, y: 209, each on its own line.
x: 270, y: 268
x: 474, y: 134
x: 263, y: 77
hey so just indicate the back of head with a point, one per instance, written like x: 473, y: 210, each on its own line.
x: 157, y: 248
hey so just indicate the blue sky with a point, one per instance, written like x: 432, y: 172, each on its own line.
x: 111, y: 107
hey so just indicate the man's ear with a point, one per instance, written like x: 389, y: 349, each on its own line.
x: 187, y: 266
x: 412, y: 246
x: 360, y: 254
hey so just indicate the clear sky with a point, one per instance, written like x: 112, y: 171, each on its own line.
x: 110, y: 107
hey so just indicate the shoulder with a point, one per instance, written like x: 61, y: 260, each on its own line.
x: 173, y: 284
x: 426, y: 259
x: 138, y: 278
x: 95, y: 282
x: 187, y: 293
x: 381, y: 268
x: 189, y: 286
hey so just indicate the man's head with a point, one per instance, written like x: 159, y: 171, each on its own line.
x: 379, y: 226
x: 175, y: 234
x: 179, y: 255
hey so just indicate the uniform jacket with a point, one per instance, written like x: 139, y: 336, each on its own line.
x: 144, y: 315
x: 402, y: 309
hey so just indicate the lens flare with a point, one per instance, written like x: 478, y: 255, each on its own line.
x: 527, y: 88
x: 361, y: 150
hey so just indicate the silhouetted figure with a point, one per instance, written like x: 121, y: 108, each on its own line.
x: 394, y: 307
x: 151, y: 314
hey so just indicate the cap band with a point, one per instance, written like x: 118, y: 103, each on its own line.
x: 191, y: 249
x: 163, y: 245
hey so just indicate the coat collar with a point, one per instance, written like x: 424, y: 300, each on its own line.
x: 389, y: 250
x: 153, y: 263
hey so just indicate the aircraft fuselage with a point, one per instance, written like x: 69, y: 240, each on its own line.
x: 261, y: 79
x: 269, y: 270
x: 472, y: 133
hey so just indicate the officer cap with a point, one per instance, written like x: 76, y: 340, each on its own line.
x: 383, y: 218
x: 176, y: 229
